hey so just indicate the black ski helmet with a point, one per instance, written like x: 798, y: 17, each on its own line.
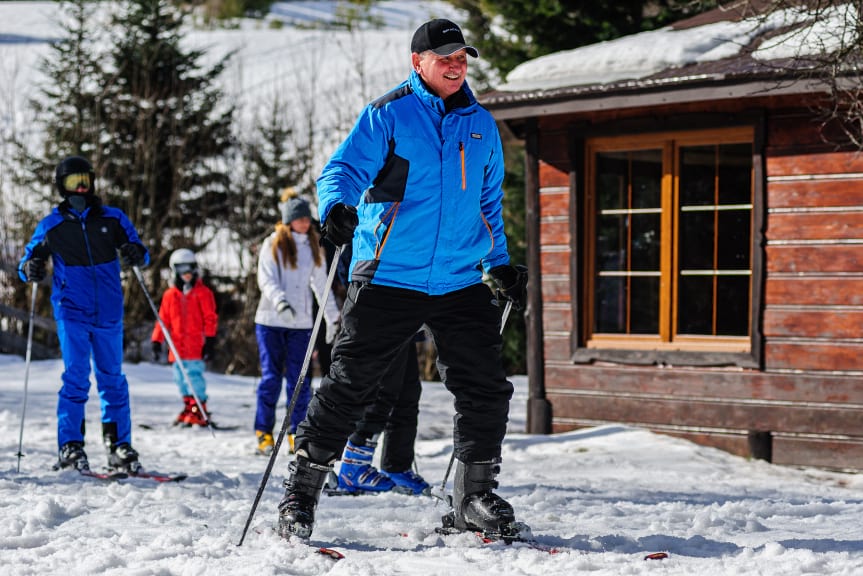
x: 73, y: 165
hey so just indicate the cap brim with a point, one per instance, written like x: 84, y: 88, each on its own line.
x: 449, y: 49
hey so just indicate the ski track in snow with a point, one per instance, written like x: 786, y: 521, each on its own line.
x: 604, y: 497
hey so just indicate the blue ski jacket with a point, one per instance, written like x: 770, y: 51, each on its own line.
x: 426, y: 179
x: 83, y: 246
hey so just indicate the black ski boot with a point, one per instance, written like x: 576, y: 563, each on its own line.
x: 475, y: 507
x: 121, y: 457
x: 72, y: 455
x: 302, y: 491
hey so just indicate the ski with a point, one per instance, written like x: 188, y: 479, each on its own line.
x: 495, y: 537
x: 227, y: 428
x: 397, y: 490
x: 159, y: 476
x: 339, y: 492
x: 330, y: 552
x: 105, y: 476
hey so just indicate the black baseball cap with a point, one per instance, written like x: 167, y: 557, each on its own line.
x: 443, y: 37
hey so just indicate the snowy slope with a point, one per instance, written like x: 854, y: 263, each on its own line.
x: 605, y: 497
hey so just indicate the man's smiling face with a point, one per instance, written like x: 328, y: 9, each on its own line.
x: 444, y: 75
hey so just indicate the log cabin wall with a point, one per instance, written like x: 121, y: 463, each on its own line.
x: 804, y: 404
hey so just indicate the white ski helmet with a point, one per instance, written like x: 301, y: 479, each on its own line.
x: 183, y: 256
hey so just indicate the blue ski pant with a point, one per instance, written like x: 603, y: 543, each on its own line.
x: 80, y: 342
x: 282, y: 352
x: 195, y: 370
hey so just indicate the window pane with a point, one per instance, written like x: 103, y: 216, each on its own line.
x: 612, y: 181
x: 611, y: 243
x: 735, y: 174
x: 732, y: 306
x: 610, y: 311
x: 734, y: 242
x: 612, y: 301
x: 646, y: 178
x: 645, y: 242
x: 697, y: 175
x: 695, y: 305
x: 645, y: 306
x: 696, y: 240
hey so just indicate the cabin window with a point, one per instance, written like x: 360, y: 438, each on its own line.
x: 669, y: 241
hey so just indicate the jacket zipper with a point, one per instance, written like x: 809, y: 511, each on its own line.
x: 461, y: 153
x: 92, y: 267
x: 394, y: 210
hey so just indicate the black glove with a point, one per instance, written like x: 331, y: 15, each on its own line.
x: 512, y: 281
x: 157, y: 351
x: 132, y: 254
x: 340, y: 225
x: 35, y: 269
x: 209, y: 348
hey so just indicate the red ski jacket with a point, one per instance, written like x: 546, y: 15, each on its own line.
x: 190, y: 319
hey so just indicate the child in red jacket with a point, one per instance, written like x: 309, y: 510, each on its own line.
x: 188, y: 310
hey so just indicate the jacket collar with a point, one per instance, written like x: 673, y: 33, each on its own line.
x: 464, y: 98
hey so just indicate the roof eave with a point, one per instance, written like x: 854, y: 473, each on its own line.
x: 640, y: 94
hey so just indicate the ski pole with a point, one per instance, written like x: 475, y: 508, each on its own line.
x: 504, y: 317
x: 296, y: 394
x: 170, y: 341
x: 27, y: 372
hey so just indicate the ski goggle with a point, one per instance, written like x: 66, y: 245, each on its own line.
x: 181, y: 269
x: 74, y: 181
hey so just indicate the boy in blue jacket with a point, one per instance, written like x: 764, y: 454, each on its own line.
x: 416, y: 188
x: 83, y: 238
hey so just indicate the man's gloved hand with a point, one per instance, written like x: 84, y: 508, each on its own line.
x: 340, y: 224
x: 157, y: 350
x: 286, y: 313
x: 512, y: 281
x: 208, y: 353
x: 35, y: 269
x: 132, y: 254
x: 332, y: 330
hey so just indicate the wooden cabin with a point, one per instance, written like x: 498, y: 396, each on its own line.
x: 695, y: 246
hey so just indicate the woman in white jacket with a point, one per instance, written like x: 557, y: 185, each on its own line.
x: 291, y: 268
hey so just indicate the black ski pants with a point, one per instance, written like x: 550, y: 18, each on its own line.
x: 394, y: 411
x: 377, y: 322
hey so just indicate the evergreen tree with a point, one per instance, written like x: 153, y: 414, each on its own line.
x: 167, y: 130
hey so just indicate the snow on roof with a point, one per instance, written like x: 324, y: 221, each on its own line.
x: 644, y: 54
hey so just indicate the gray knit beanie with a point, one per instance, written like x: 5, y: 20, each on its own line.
x: 293, y: 209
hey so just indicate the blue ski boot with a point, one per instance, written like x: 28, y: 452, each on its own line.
x: 409, y: 482
x: 356, y: 473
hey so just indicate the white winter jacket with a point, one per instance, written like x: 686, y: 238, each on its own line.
x: 278, y: 282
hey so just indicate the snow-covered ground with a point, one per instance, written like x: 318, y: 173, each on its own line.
x: 604, y: 497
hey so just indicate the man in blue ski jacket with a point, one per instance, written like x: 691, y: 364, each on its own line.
x: 83, y: 238
x: 416, y: 188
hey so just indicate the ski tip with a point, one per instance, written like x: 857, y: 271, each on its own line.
x: 332, y: 553
x: 656, y: 556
